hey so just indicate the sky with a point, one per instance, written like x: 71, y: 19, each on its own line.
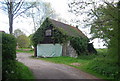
x: 60, y: 7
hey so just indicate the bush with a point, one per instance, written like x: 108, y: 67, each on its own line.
x: 107, y: 68
x: 11, y: 69
x: 104, y: 65
x: 8, y: 47
x: 79, y: 44
x: 23, y: 41
x: 8, y: 55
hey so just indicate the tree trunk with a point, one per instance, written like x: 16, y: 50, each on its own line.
x: 11, y: 23
x: 10, y: 15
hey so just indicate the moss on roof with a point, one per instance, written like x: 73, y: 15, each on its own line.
x: 70, y: 30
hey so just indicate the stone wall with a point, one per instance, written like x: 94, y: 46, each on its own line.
x: 68, y: 50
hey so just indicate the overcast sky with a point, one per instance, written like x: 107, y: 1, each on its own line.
x: 61, y: 8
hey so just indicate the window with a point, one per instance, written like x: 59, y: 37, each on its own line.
x: 48, y: 32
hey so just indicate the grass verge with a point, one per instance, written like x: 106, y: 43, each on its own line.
x: 24, y: 72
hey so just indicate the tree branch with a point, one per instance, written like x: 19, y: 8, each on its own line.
x: 25, y: 10
x: 18, y: 6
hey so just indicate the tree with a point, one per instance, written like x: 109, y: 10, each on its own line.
x: 96, y: 16
x: 30, y: 38
x: 104, y: 22
x: 15, y: 8
x: 23, y: 41
x: 40, y: 12
x: 18, y: 32
x: 82, y: 9
x: 106, y: 27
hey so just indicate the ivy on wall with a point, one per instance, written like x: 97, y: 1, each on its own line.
x: 79, y: 44
x: 60, y: 36
x: 38, y: 36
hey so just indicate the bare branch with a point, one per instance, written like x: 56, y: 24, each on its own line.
x: 25, y: 10
x: 18, y: 5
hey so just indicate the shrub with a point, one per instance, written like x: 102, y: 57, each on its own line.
x: 8, y: 47
x: 105, y: 66
x: 79, y: 44
x: 23, y: 41
x: 8, y: 55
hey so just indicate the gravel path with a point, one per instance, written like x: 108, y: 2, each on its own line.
x: 46, y: 70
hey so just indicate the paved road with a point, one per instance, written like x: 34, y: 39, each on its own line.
x: 46, y: 70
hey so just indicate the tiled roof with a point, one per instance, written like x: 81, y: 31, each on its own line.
x: 70, y: 30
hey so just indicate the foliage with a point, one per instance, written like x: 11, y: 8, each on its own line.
x: 8, y: 55
x: 30, y: 39
x: 83, y: 8
x: 18, y: 32
x: 59, y: 36
x: 38, y: 36
x: 114, y: 40
x: 8, y: 47
x: 108, y: 68
x: 105, y: 26
x: 11, y: 69
x: 79, y: 44
x: 23, y: 41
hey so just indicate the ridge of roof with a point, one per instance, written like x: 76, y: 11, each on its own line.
x: 67, y: 28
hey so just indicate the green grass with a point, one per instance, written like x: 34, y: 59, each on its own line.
x: 64, y: 60
x: 22, y: 50
x: 23, y: 71
x: 16, y: 70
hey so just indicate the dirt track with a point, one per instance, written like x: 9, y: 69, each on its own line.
x: 46, y: 70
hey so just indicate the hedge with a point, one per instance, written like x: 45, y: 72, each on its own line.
x: 8, y: 47
x: 8, y: 55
